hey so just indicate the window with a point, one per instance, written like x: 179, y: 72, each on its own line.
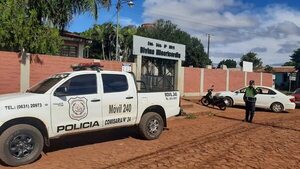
x: 45, y: 85
x: 81, y: 85
x: 71, y: 51
x: 114, y: 83
x: 265, y: 91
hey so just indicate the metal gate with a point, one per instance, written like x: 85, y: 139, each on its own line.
x: 158, y: 74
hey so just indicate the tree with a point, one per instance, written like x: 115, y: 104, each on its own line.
x: 295, y: 57
x: 104, y: 40
x: 252, y: 57
x: 268, y: 68
x: 61, y: 12
x: 230, y: 63
x: 289, y: 63
x: 21, y: 29
x: 97, y: 35
x: 126, y: 41
x: 167, y: 31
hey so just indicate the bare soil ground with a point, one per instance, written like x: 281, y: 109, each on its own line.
x: 205, y: 138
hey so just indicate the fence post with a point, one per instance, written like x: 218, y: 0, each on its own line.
x: 261, y: 78
x: 25, y: 71
x: 201, y: 81
x: 179, y: 77
x: 227, y: 80
x: 245, y: 78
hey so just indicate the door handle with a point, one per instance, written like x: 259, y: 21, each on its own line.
x: 96, y: 100
x: 129, y: 97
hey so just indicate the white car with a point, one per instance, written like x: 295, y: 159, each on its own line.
x: 267, y: 98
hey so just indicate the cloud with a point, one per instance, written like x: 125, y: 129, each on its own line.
x: 259, y: 50
x: 288, y: 48
x: 226, y: 55
x: 237, y: 27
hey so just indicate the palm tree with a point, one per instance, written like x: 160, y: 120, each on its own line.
x: 100, y: 37
x: 61, y: 12
x: 127, y: 40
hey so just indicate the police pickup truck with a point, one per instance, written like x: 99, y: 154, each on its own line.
x: 78, y: 101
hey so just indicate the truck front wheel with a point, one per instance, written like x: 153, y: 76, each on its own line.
x: 20, y: 144
x: 151, y: 126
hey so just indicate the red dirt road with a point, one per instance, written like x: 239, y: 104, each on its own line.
x: 213, y: 139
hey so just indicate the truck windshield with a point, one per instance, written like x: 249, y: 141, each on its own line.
x: 45, y: 85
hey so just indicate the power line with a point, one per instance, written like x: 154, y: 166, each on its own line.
x: 183, y: 18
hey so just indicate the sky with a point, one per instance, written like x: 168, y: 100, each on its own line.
x: 271, y: 28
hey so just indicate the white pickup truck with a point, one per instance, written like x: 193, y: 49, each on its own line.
x: 74, y: 102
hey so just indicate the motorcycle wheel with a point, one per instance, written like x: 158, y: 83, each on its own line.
x: 204, y: 101
x: 222, y: 106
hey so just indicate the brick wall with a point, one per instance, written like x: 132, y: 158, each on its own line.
x: 192, y: 80
x: 41, y: 67
x: 44, y: 66
x: 216, y: 77
x: 267, y: 79
x: 9, y: 72
x: 236, y: 80
x: 253, y: 76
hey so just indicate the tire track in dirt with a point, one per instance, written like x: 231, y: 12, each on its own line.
x: 195, y: 149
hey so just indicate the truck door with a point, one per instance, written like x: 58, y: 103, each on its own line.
x: 76, y: 105
x: 119, y: 100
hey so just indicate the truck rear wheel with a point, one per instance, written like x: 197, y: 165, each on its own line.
x: 20, y: 144
x: 151, y: 126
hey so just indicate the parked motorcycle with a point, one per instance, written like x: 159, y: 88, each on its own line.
x: 209, y: 99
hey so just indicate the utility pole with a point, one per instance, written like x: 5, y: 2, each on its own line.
x: 117, y: 31
x: 130, y: 3
x: 208, y: 43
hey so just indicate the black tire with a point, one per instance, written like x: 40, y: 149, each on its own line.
x: 228, y: 101
x: 222, y: 106
x: 20, y: 144
x: 151, y: 126
x: 204, y: 101
x: 277, y: 107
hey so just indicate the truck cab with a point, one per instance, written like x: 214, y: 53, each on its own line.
x: 79, y: 101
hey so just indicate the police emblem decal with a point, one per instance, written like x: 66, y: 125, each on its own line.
x: 78, y: 109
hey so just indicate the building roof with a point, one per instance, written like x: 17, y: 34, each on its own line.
x: 72, y: 35
x: 284, y: 69
x: 148, y: 25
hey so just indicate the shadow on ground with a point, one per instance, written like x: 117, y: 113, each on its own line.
x: 92, y: 138
x: 268, y: 124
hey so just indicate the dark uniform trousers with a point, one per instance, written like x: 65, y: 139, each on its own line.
x: 250, y: 110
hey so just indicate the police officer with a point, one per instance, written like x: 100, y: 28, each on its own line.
x: 250, y: 99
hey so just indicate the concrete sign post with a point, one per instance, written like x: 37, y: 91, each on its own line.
x: 154, y: 48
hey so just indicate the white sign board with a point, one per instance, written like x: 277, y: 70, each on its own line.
x: 157, y: 48
x: 247, y: 66
x: 293, y: 76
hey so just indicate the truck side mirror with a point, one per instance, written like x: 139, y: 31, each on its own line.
x: 61, y: 91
